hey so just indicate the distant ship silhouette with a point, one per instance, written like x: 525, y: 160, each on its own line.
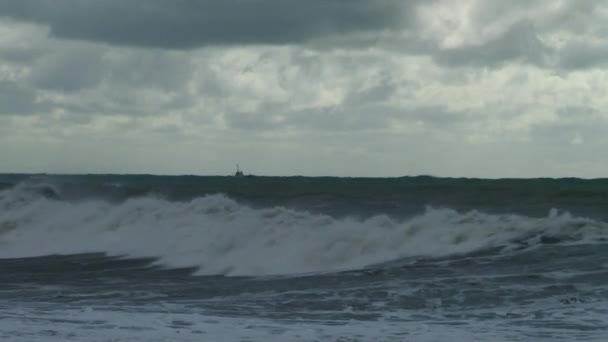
x: 238, y: 172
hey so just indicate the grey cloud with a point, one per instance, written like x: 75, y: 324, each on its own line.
x: 322, y: 24
x: 94, y: 79
x: 83, y: 68
x: 319, y: 119
x: 190, y: 23
x: 585, y: 122
x: 16, y: 100
x: 376, y: 94
x: 577, y: 112
x: 575, y: 16
x: 68, y: 71
x: 124, y: 101
x: 155, y: 69
x: 578, y: 55
x: 20, y: 55
x: 522, y: 41
x: 519, y: 42
x: 362, y: 118
x: 375, y: 117
x: 438, y: 116
x: 564, y: 134
x: 276, y: 116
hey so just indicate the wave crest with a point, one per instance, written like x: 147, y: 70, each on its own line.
x: 217, y: 235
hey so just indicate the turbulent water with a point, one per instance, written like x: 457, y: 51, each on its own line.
x: 149, y: 258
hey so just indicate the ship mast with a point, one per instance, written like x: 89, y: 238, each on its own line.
x: 238, y: 171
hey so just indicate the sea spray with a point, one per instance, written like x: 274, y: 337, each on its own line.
x: 218, y: 235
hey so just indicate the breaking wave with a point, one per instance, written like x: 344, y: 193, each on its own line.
x: 217, y: 235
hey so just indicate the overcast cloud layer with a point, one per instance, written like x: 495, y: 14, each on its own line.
x: 194, y: 23
x: 352, y: 88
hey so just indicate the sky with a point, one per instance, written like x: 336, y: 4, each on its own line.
x: 459, y: 88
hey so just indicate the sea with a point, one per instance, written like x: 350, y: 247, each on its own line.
x: 201, y: 258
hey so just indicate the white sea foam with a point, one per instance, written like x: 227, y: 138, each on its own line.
x: 95, y: 324
x: 220, y: 236
x: 21, y: 323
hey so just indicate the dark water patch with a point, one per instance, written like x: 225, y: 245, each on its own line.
x: 361, y: 197
x: 54, y: 276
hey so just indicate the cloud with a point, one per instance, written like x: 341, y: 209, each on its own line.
x: 185, y: 24
x: 354, y: 83
x: 520, y: 42
x: 464, y: 33
x: 17, y: 100
x: 583, y: 55
x: 568, y: 35
x: 348, y: 118
x: 70, y: 69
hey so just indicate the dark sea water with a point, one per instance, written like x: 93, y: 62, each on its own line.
x: 159, y: 258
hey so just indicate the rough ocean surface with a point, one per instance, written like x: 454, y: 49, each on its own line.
x: 150, y: 258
